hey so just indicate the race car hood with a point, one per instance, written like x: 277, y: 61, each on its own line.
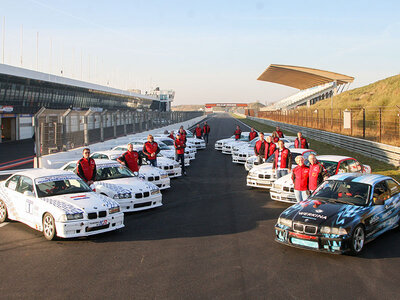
x: 124, y: 185
x: 323, y: 213
x: 285, y: 181
x: 164, y: 161
x: 79, y: 202
x: 151, y: 171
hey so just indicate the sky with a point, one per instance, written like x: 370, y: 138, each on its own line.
x: 207, y: 51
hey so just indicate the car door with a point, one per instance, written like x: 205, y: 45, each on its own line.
x: 381, y: 215
x: 26, y: 194
x: 342, y: 167
x: 13, y: 202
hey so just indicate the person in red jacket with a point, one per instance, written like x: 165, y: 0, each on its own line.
x: 171, y: 135
x: 86, y: 167
x: 282, y: 162
x: 279, y: 132
x: 259, y: 148
x: 275, y: 137
x: 252, y: 134
x: 131, y: 159
x: 237, y: 133
x: 198, y: 132
x: 183, y: 133
x: 300, y: 141
x: 270, y: 147
x: 317, y: 173
x: 206, y: 132
x: 300, y: 179
x: 180, y: 146
x: 151, y: 149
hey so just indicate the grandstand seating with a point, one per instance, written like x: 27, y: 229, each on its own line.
x: 301, y: 98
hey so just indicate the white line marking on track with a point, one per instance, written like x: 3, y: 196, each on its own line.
x: 4, y: 224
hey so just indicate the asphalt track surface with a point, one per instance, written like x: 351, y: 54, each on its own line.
x: 212, y: 239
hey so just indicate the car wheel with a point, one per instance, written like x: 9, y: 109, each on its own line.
x: 357, y: 240
x: 49, y: 227
x: 3, y: 211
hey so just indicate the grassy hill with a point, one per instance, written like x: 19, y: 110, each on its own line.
x: 383, y: 93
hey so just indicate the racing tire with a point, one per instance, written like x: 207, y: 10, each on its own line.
x: 357, y: 240
x: 3, y: 211
x: 49, y: 227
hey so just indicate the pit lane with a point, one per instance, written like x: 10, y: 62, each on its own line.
x: 213, y: 238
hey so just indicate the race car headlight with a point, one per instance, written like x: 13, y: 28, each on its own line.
x: 333, y: 230
x: 285, y: 222
x: 141, y: 176
x: 176, y: 166
x: 163, y: 176
x: 122, y: 196
x: 69, y: 217
x: 114, y: 210
x: 155, y: 192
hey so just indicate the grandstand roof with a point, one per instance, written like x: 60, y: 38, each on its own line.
x: 301, y: 77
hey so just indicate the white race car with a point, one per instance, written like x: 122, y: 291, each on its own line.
x: 199, y: 144
x: 262, y: 176
x: 190, y: 150
x: 119, y: 183
x: 220, y: 143
x: 58, y: 203
x: 283, y: 188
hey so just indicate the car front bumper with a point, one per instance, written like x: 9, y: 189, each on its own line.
x: 130, y: 205
x: 162, y: 184
x: 81, y: 228
x: 237, y: 159
x: 334, y: 245
x: 283, y: 196
x: 259, y: 182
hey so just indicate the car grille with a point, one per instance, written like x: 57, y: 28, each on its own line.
x: 288, y: 189
x: 303, y: 228
x: 157, y: 178
x: 94, y: 215
x: 150, y: 178
x: 168, y: 167
x: 142, y: 204
x: 142, y: 195
x: 262, y: 176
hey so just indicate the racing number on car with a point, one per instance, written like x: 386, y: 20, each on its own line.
x: 28, y: 206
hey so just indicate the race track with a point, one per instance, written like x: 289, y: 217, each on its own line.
x: 212, y: 239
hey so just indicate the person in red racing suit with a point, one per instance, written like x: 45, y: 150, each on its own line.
x: 300, y: 179
x: 237, y: 133
x: 317, y: 173
x: 270, y: 147
x: 259, y: 148
x: 151, y: 149
x: 252, y: 134
x: 279, y: 132
x: 183, y: 133
x: 198, y: 132
x: 131, y: 159
x: 300, y: 141
x: 206, y: 132
x: 86, y: 167
x: 180, y: 151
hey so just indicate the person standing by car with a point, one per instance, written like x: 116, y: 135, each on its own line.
x: 131, y: 159
x: 151, y: 149
x: 259, y: 148
x: 270, y: 147
x: 300, y: 179
x: 275, y: 137
x: 252, y: 134
x: 198, y: 132
x: 206, y: 132
x: 282, y: 162
x: 300, y: 141
x: 183, y: 133
x: 279, y: 132
x: 237, y: 133
x: 180, y: 151
x: 317, y: 173
x: 86, y: 167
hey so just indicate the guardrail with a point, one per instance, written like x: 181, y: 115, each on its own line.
x: 382, y: 152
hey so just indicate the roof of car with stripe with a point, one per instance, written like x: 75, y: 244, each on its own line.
x: 371, y: 179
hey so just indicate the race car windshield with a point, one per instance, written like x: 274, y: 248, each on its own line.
x: 114, y: 172
x: 168, y: 143
x: 330, y: 166
x: 354, y: 193
x: 61, y: 187
x: 162, y: 146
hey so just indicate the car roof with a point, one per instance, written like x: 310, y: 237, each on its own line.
x: 300, y: 150
x: 371, y: 179
x: 335, y: 158
x: 40, y: 172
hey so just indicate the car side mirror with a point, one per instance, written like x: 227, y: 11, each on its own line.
x: 28, y: 193
x: 378, y: 201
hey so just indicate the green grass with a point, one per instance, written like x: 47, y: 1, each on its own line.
x: 377, y: 166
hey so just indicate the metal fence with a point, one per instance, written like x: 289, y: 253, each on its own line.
x: 61, y: 130
x: 378, y: 124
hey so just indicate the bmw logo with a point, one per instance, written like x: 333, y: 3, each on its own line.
x: 319, y: 211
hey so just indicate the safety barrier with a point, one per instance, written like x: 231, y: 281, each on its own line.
x: 382, y: 152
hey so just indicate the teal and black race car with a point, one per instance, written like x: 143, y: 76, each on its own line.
x: 342, y: 215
